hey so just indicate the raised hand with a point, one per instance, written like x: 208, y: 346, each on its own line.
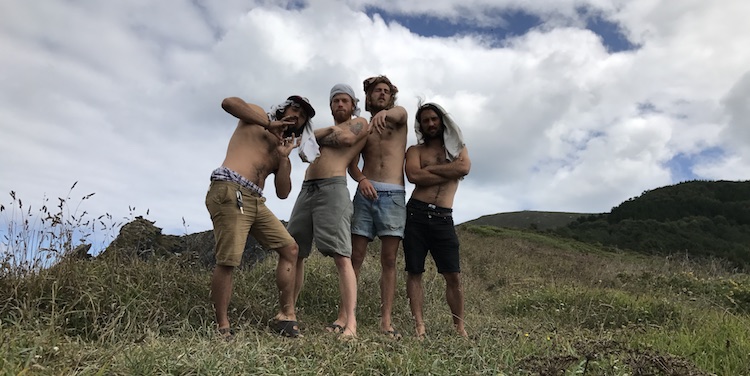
x: 288, y: 144
x: 277, y: 127
x: 379, y: 122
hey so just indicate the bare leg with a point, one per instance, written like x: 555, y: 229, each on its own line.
x: 348, y: 289
x: 455, y: 296
x: 359, y: 252
x: 299, y: 278
x: 286, y: 271
x: 387, y: 280
x: 416, y: 299
x: 221, y: 292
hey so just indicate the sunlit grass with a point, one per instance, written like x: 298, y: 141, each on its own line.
x: 534, y: 305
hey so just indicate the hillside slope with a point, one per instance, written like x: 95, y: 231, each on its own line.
x: 527, y: 219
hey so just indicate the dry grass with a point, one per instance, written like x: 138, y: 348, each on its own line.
x: 536, y: 305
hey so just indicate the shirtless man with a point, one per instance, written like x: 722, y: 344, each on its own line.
x: 323, y: 209
x: 434, y: 165
x: 260, y: 146
x: 380, y: 201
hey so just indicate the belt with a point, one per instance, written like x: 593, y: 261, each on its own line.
x: 432, y: 213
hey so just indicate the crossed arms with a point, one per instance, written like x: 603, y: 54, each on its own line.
x: 437, y: 173
x: 342, y: 135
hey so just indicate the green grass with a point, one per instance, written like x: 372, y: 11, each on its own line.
x: 535, y: 305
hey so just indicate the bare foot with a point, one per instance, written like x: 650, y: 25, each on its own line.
x: 335, y: 327
x: 348, y: 334
x: 461, y: 332
x: 421, y: 332
x: 282, y: 317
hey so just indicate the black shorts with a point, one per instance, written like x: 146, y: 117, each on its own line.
x: 430, y: 229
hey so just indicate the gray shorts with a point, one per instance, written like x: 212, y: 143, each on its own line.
x: 323, y: 212
x: 384, y: 216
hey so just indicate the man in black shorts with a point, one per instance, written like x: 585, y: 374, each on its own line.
x: 435, y: 165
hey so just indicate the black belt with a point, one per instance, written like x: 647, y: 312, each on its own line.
x: 431, y: 213
x: 439, y: 214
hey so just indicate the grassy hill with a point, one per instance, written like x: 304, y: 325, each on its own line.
x: 699, y: 218
x: 536, y: 304
x: 527, y: 219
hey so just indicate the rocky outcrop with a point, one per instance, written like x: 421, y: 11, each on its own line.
x: 140, y: 238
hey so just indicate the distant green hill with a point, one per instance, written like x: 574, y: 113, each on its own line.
x: 527, y: 219
x: 697, y: 218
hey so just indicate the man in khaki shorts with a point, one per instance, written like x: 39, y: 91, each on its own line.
x: 380, y: 201
x: 323, y: 210
x: 260, y: 146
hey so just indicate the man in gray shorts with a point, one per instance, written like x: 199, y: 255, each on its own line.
x: 322, y: 212
x: 380, y: 203
x: 260, y: 146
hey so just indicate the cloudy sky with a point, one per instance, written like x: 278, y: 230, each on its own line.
x: 566, y: 105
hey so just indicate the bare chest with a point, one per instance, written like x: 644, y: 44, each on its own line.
x: 431, y: 157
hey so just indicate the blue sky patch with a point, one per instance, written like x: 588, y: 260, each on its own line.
x: 610, y: 33
x: 681, y: 165
x: 514, y: 23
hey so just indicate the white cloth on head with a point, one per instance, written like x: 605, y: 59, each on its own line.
x: 345, y: 89
x: 453, y: 139
x: 309, y: 149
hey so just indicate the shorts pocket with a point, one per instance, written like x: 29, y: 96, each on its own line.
x: 398, y: 200
x: 220, y: 194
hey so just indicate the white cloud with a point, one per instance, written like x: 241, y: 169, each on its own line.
x: 114, y: 97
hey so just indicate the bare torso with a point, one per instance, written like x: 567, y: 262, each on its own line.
x: 438, y: 194
x: 333, y: 161
x: 252, y: 152
x: 384, y: 153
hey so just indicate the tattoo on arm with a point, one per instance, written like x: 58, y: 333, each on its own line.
x: 330, y: 140
x: 356, y: 128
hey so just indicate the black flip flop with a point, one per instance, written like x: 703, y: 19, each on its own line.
x: 287, y: 328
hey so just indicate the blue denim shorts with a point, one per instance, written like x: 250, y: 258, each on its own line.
x: 384, y: 216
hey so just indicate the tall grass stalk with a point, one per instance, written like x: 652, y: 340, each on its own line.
x: 34, y: 238
x: 535, y: 305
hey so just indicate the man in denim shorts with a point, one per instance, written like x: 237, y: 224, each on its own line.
x: 380, y: 203
x: 434, y: 165
x: 260, y: 146
x: 323, y: 210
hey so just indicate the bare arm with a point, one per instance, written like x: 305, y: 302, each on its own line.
x: 354, y: 170
x: 395, y: 115
x: 252, y: 114
x: 454, y: 170
x: 345, y: 134
x: 418, y: 175
x: 322, y: 133
x: 282, y: 176
x: 363, y: 184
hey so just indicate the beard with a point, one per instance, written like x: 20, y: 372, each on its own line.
x: 341, y: 117
x: 375, y: 107
x: 292, y: 132
x: 438, y: 135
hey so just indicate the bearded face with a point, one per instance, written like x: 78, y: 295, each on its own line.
x: 298, y: 116
x: 379, y: 98
x: 431, y: 124
x: 342, y: 107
